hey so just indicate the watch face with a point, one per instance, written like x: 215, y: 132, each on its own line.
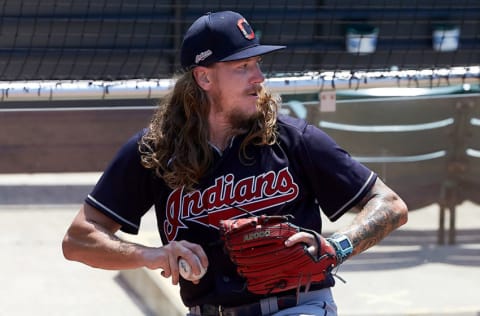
x: 344, y: 243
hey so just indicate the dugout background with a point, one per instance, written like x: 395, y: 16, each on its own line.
x: 128, y: 39
x: 100, y: 40
x: 124, y: 39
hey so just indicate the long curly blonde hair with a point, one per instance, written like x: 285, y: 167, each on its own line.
x: 176, y: 143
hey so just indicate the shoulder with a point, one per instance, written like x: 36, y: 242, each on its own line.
x: 296, y: 130
x: 291, y: 124
x: 128, y: 156
x: 131, y: 146
x: 291, y: 130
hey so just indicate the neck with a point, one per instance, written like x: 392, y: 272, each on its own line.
x: 220, y: 136
x: 221, y: 131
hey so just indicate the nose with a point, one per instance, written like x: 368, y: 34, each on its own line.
x: 257, y: 76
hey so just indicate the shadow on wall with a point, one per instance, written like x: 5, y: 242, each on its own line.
x: 43, y: 195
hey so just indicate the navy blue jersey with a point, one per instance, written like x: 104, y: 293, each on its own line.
x: 304, y: 173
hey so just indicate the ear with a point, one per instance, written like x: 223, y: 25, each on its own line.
x: 202, y: 77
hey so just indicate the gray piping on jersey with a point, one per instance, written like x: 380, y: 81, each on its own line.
x: 354, y: 197
x: 112, y: 212
x: 219, y: 151
x: 170, y: 161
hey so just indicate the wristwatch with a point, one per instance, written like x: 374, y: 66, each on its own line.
x: 343, y: 246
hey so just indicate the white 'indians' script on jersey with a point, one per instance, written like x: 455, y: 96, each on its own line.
x: 209, y: 206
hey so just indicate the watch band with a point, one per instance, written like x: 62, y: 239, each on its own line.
x: 343, y: 246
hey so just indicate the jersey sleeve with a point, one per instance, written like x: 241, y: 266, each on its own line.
x: 336, y: 179
x: 342, y: 181
x: 123, y: 192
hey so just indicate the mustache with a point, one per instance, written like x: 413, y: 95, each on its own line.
x: 255, y: 89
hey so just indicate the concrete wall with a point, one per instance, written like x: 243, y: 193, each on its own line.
x: 65, y: 140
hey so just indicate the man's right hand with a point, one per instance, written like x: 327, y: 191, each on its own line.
x: 91, y: 239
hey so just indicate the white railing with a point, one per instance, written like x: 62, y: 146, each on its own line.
x: 306, y: 83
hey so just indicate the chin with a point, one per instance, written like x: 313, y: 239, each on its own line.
x: 244, y: 120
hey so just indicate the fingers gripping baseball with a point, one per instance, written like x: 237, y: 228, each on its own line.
x: 186, y: 270
x: 187, y: 256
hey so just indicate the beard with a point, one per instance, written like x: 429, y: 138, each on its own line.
x: 241, y: 121
x: 241, y: 117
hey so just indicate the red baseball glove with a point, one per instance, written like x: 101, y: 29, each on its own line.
x: 257, y: 246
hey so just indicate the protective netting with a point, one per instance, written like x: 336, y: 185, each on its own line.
x: 126, y: 39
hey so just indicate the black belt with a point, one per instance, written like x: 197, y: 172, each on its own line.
x: 283, y: 302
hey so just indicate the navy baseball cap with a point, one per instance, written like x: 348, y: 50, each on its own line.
x: 220, y: 36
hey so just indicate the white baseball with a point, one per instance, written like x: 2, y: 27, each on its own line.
x: 186, y: 270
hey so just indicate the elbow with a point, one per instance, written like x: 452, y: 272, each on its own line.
x: 396, y: 206
x: 69, y: 250
x: 400, y: 210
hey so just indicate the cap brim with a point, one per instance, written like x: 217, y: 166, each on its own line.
x: 253, y: 51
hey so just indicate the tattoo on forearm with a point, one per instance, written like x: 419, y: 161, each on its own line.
x: 371, y: 226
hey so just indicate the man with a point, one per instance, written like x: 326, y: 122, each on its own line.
x: 214, y: 145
